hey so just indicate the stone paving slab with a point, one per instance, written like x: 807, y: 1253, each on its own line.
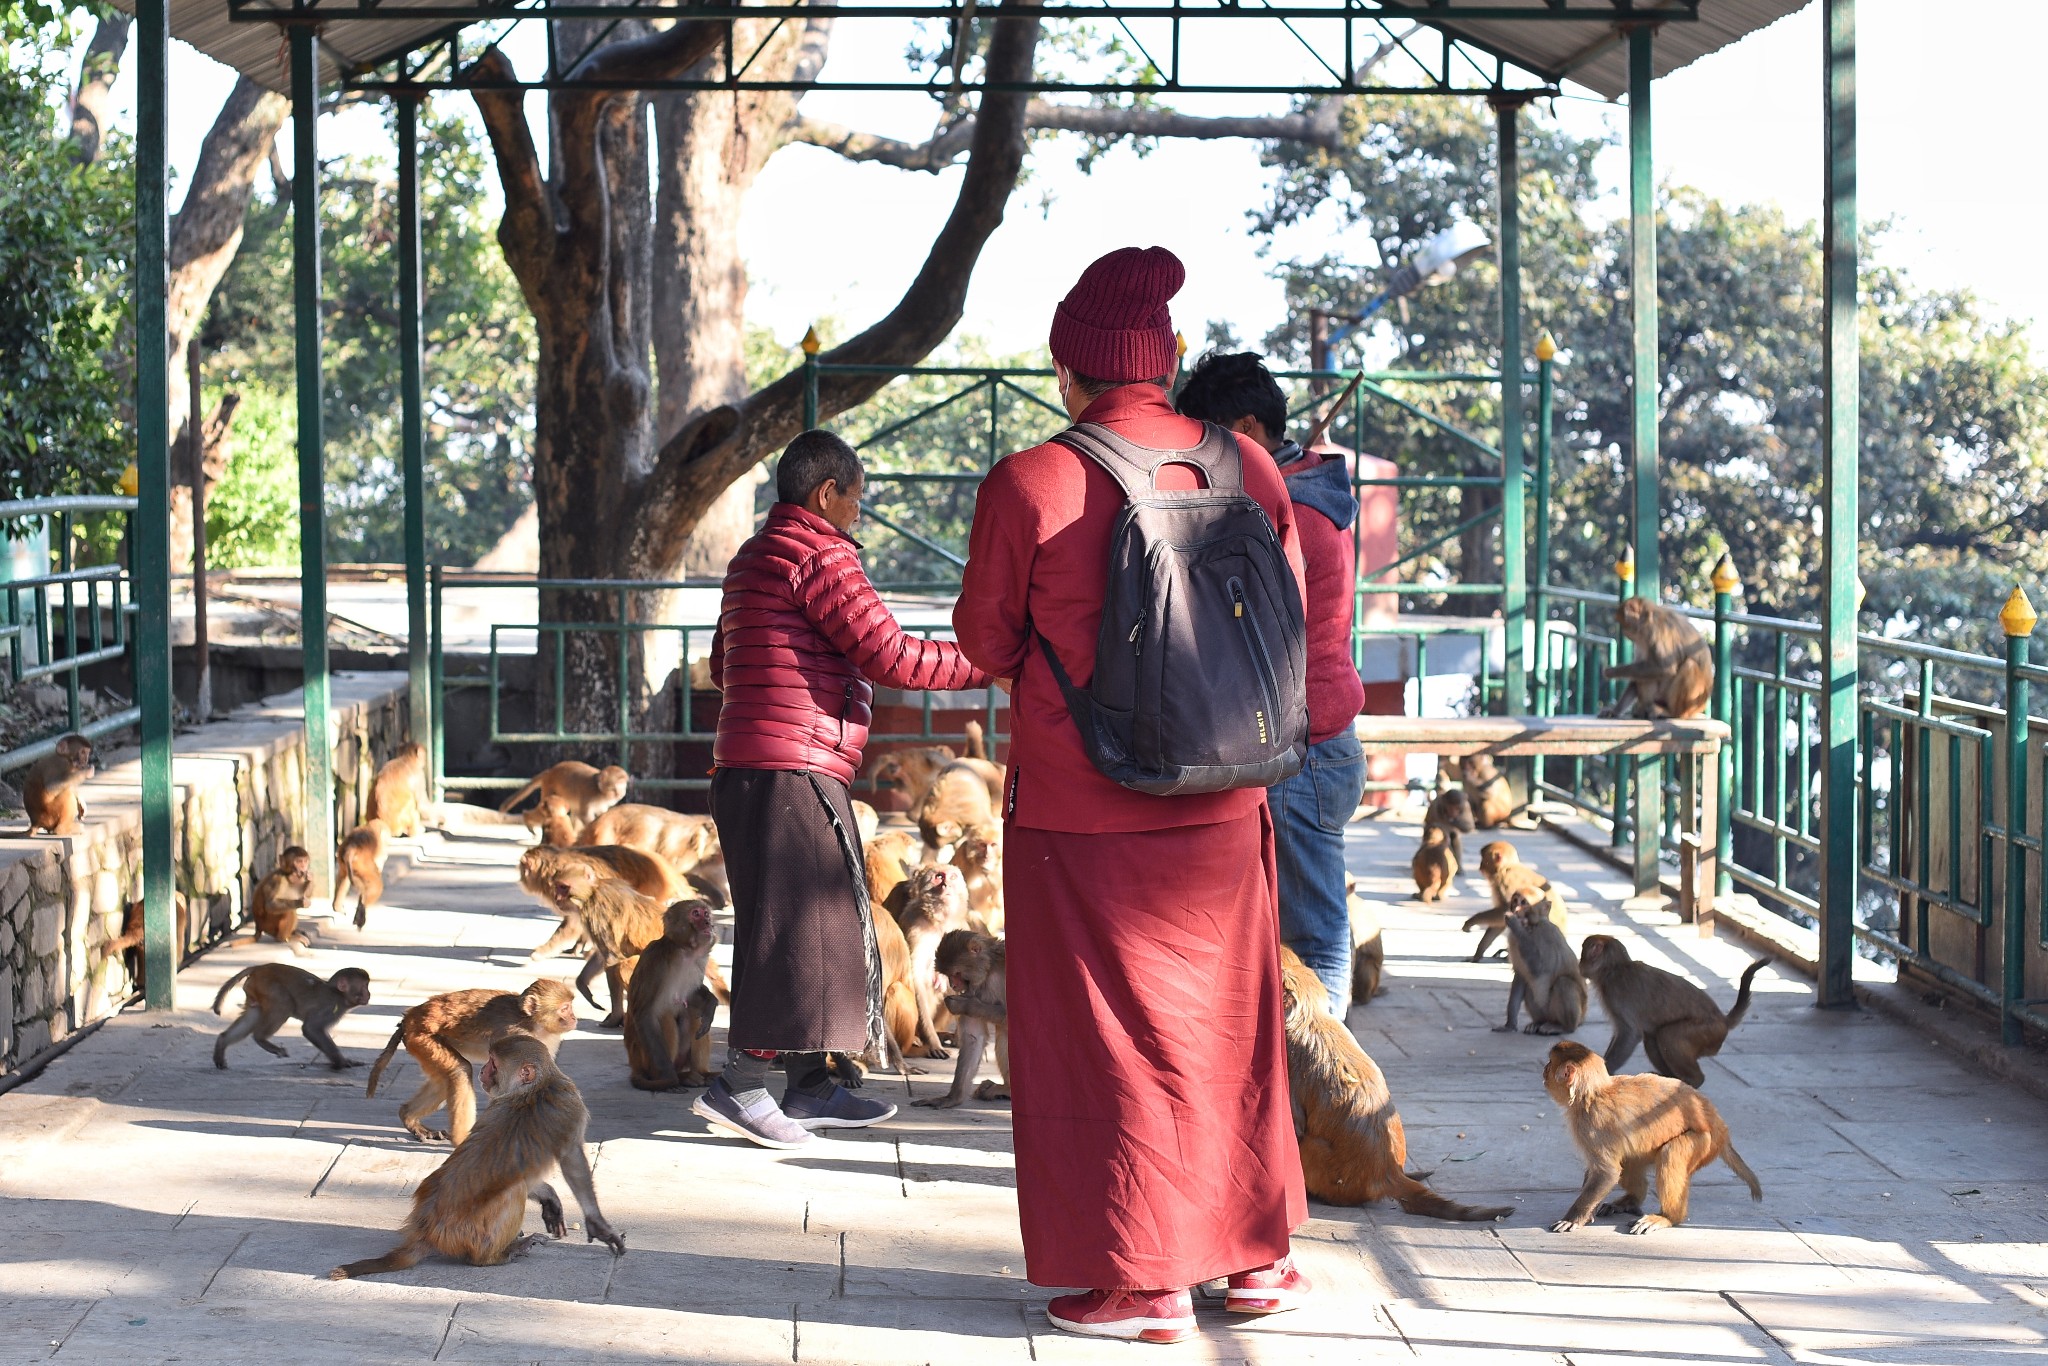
x: 163, y: 1210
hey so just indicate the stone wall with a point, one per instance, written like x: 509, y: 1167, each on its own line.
x: 239, y: 794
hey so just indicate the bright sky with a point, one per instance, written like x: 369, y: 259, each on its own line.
x: 1946, y: 122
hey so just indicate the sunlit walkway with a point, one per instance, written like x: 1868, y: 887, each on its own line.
x: 156, y: 1209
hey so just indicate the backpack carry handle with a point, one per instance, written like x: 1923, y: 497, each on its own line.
x: 1136, y: 468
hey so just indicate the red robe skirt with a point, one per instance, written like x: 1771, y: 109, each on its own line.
x: 1148, y: 1068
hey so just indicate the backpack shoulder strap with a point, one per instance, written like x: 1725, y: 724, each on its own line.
x: 1136, y: 467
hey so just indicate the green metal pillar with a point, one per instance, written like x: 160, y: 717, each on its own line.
x: 319, y: 832
x: 1514, y: 518
x: 1647, y: 374
x: 2017, y: 621
x: 1726, y: 581
x: 412, y: 364
x: 151, y: 527
x: 1840, y: 440
x: 1541, y: 700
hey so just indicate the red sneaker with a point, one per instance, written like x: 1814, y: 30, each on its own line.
x: 1267, y: 1289
x: 1133, y: 1315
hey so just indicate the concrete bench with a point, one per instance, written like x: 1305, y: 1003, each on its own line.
x: 1696, y: 743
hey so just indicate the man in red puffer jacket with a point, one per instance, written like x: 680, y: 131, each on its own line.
x: 802, y: 639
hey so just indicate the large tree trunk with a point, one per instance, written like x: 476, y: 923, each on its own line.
x: 93, y: 97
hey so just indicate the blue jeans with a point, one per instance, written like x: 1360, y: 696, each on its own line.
x: 1310, y: 811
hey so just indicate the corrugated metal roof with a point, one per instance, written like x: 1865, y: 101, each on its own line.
x: 1594, y: 54
x: 258, y: 50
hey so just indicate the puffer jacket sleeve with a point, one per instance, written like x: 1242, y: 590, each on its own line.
x: 718, y: 659
x: 836, y: 596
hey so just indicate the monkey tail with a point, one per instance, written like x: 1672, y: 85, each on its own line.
x: 397, y: 1259
x: 1416, y: 1198
x: 1741, y: 1006
x: 977, y: 743
x: 1741, y: 1169
x: 519, y: 796
x: 377, y: 1068
x: 228, y: 986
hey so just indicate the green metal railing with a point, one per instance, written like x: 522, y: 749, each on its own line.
x: 53, y: 625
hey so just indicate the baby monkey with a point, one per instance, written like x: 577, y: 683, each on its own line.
x: 973, y: 965
x: 471, y: 1206
x: 50, y: 794
x: 275, y: 992
x: 275, y: 904
x: 1627, y: 1127
x: 668, y: 1006
x: 1434, y: 864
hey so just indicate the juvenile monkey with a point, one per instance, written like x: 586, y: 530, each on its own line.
x: 664, y: 1050
x: 398, y: 797
x: 1492, y: 800
x: 1433, y: 864
x: 1368, y: 952
x: 275, y: 992
x: 1673, y: 671
x: 128, y: 944
x: 1506, y: 874
x: 621, y: 923
x: 471, y: 1206
x: 889, y: 856
x: 973, y: 965
x: 647, y: 873
x: 1676, y: 1022
x: 585, y: 793
x: 1626, y: 1127
x: 934, y: 902
x: 1451, y: 812
x: 50, y: 794
x: 1353, y: 1148
x: 1546, y: 972
x: 682, y: 842
x: 552, y: 823
x: 957, y: 799
x: 446, y: 1033
x: 979, y: 857
x: 361, y: 860
x: 275, y: 904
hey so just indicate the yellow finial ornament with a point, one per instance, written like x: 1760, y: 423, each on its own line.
x: 131, y: 480
x: 1726, y: 580
x: 1546, y: 346
x: 1180, y: 345
x: 1626, y: 565
x: 2018, y: 616
x: 1861, y: 592
x: 810, y: 343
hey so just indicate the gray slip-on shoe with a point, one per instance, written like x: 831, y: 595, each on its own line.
x: 761, y: 1122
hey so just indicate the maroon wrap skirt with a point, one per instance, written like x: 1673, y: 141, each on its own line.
x: 1148, y: 1067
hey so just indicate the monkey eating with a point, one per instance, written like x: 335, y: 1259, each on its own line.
x: 1627, y: 1127
x: 1676, y: 1022
x: 275, y: 992
x: 50, y: 793
x: 398, y: 797
x: 446, y: 1033
x: 1546, y: 971
x: 1506, y: 874
x: 1353, y: 1148
x: 973, y: 965
x: 668, y: 1044
x: 1672, y: 674
x: 581, y: 792
x: 471, y: 1207
x: 934, y: 902
x: 361, y: 863
x: 275, y: 904
x: 1433, y: 864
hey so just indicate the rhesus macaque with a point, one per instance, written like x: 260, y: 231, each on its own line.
x: 663, y: 1050
x: 552, y: 823
x: 957, y: 798
x: 1677, y: 1023
x: 1546, y: 971
x: 275, y: 904
x: 1433, y: 864
x: 275, y: 992
x: 50, y: 794
x: 1672, y: 674
x: 934, y: 902
x: 973, y: 965
x: 682, y: 842
x: 1626, y: 1127
x: 977, y: 758
x: 979, y: 857
x: 361, y: 861
x: 889, y: 857
x: 128, y: 944
x: 446, y: 1033
x: 899, y: 993
x: 1353, y: 1148
x: 1451, y: 812
x: 1492, y: 800
x: 866, y: 819
x: 910, y: 770
x: 398, y: 797
x: 471, y: 1206
x: 584, y: 793
x: 648, y: 874
x: 1506, y: 874
x: 1368, y: 951
x: 620, y: 923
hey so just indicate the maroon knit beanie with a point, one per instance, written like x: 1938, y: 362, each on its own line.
x: 1113, y: 323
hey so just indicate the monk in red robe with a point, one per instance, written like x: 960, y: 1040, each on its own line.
x: 1148, y: 1067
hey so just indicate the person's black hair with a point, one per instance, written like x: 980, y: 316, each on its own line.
x: 1091, y: 388
x: 811, y: 459
x: 1226, y: 387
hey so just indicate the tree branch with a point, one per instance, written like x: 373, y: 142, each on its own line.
x: 97, y: 71
x: 526, y: 233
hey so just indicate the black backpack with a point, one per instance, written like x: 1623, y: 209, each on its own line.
x: 1201, y: 665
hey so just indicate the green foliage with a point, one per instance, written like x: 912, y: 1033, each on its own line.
x: 252, y: 518
x: 66, y: 231
x: 479, y: 345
